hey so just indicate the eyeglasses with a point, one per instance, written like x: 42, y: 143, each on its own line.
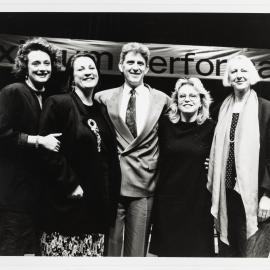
x: 191, y: 97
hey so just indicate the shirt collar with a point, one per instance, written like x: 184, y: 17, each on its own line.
x: 138, y: 89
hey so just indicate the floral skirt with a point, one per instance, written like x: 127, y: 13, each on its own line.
x: 55, y: 244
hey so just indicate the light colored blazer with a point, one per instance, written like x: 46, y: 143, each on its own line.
x: 139, y: 156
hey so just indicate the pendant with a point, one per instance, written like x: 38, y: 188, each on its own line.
x: 93, y: 125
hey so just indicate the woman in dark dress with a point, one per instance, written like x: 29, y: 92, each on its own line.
x: 20, y: 107
x: 83, y: 179
x: 182, y: 224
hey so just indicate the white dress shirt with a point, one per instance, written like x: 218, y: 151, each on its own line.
x: 142, y: 105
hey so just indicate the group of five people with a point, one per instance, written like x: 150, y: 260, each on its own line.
x: 89, y: 172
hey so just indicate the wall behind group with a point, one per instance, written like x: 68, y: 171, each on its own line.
x: 202, y: 29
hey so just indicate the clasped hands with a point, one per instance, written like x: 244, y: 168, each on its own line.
x: 50, y: 141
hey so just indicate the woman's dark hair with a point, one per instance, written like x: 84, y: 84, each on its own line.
x: 69, y: 73
x: 20, y: 68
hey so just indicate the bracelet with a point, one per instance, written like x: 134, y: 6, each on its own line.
x: 37, y: 142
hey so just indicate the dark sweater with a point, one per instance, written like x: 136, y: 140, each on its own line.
x: 19, y: 163
x: 182, y: 222
x: 79, y: 163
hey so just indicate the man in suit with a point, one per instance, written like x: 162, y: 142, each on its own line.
x: 134, y: 109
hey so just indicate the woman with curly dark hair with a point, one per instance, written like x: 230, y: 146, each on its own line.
x: 20, y: 108
x: 83, y: 179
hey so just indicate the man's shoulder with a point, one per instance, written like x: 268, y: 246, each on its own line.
x: 107, y: 91
x: 159, y: 92
x: 161, y: 96
x: 104, y: 95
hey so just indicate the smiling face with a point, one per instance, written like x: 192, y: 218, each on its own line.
x: 39, y: 67
x: 134, y: 68
x: 189, y: 101
x: 85, y: 73
x: 239, y: 76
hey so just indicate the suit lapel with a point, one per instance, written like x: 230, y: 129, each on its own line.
x: 154, y: 110
x: 113, y: 106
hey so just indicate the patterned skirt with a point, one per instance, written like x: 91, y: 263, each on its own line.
x: 55, y: 244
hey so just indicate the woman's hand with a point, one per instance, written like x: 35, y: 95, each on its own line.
x: 50, y: 141
x: 77, y: 193
x: 264, y: 208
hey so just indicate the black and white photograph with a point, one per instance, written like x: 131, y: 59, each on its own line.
x: 134, y: 136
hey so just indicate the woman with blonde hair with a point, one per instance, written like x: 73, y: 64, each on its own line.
x: 239, y: 170
x: 182, y: 223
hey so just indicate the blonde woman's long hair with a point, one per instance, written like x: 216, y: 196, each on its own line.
x: 206, y: 100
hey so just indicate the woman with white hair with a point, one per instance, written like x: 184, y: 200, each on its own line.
x: 239, y: 169
x: 182, y: 223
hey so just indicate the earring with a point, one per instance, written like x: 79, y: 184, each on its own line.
x: 73, y: 86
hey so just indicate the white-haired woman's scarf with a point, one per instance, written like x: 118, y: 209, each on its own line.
x: 247, y: 145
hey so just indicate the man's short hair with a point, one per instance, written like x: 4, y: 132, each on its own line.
x: 136, y: 48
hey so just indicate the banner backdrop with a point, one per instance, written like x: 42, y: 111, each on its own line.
x: 166, y: 60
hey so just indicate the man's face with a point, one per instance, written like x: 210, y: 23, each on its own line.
x: 134, y: 68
